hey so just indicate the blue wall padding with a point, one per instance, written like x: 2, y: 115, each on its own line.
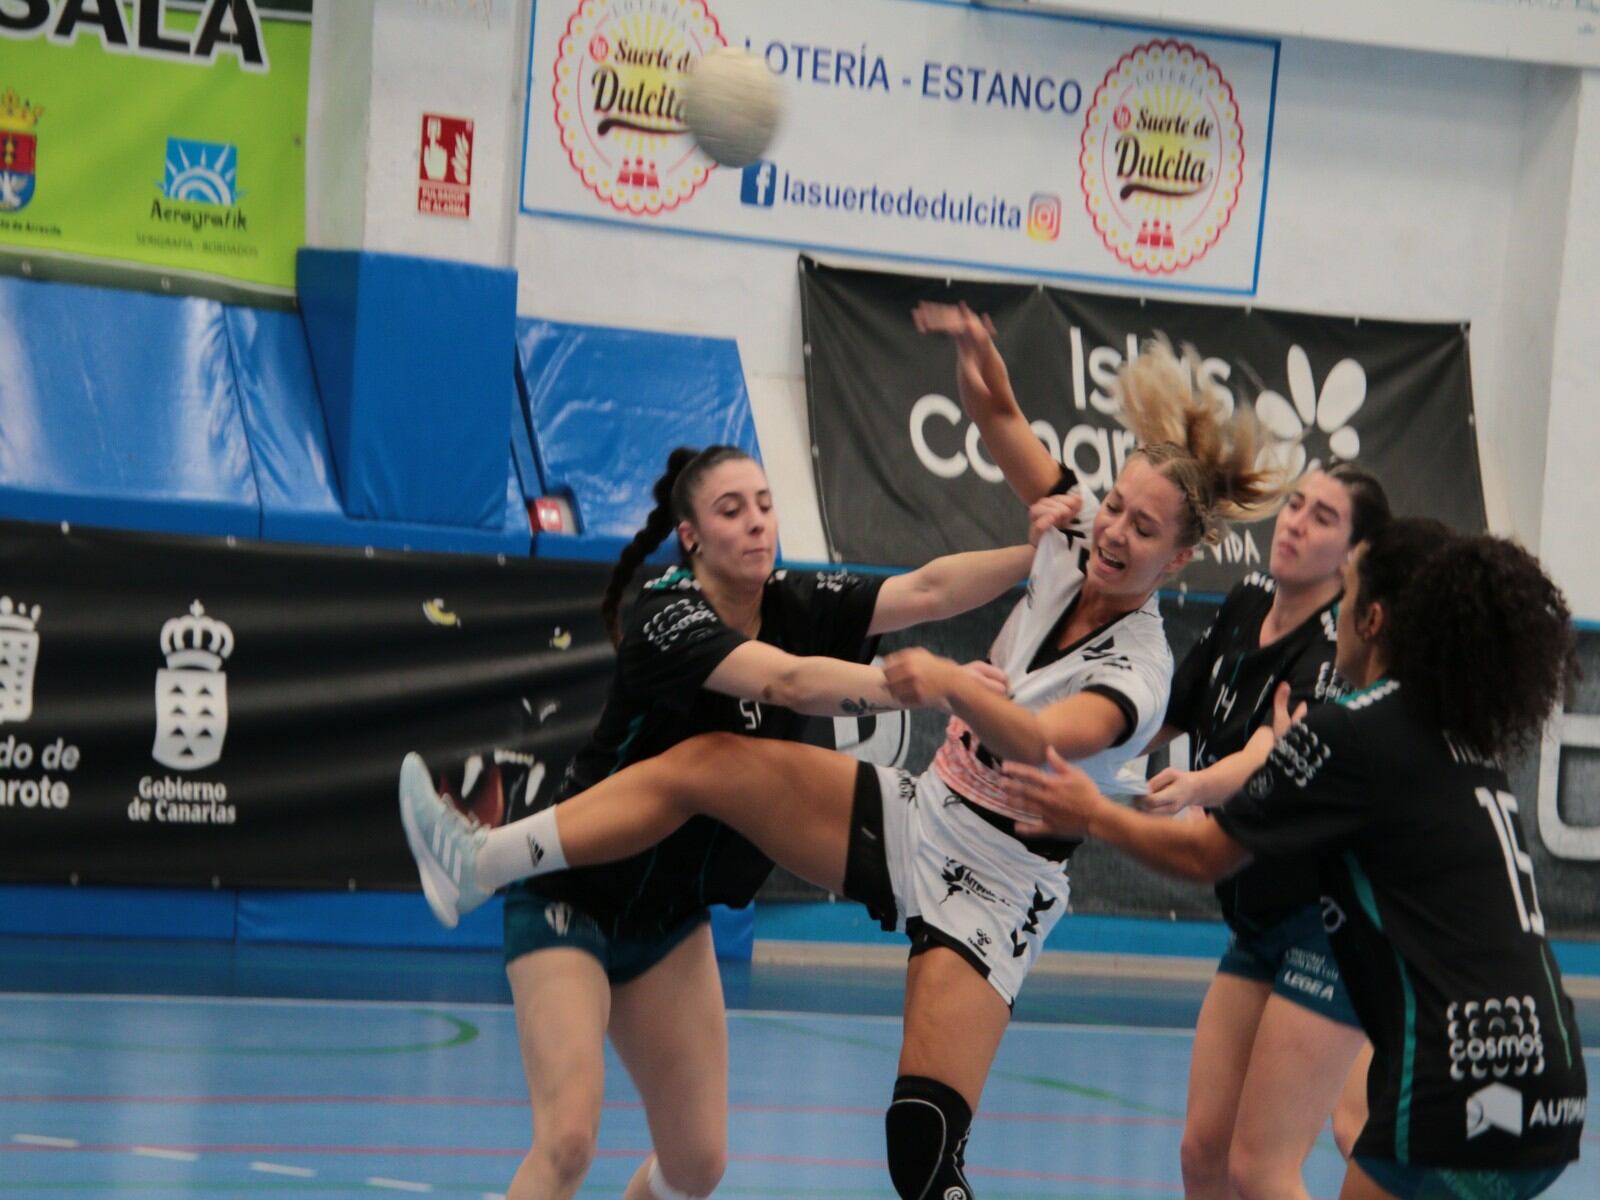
x: 362, y: 919
x: 528, y: 473
x: 177, y: 914
x: 410, y: 361
x: 283, y: 420
x: 118, y: 409
x: 295, y: 472
x: 607, y: 405
x: 733, y: 932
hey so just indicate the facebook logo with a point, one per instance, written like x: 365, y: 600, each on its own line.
x: 759, y: 184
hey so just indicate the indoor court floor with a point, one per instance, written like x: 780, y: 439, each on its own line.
x: 158, y: 1069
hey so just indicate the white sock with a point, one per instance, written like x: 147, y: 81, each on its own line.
x: 662, y: 1190
x: 524, y: 848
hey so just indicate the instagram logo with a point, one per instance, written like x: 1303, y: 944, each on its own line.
x: 1044, y: 216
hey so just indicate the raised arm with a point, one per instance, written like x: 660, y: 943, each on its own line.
x: 817, y: 686
x: 985, y: 388
x: 945, y: 586
x: 957, y: 583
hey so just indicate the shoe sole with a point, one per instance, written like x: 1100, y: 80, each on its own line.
x: 413, y: 778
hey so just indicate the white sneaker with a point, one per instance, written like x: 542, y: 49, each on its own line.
x: 444, y: 843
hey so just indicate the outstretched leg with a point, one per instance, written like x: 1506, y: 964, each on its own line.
x: 792, y: 801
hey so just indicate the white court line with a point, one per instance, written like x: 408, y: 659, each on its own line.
x: 398, y: 1185
x: 174, y: 1155
x: 262, y: 1001
x: 267, y: 1168
x: 38, y: 1139
x: 450, y: 1006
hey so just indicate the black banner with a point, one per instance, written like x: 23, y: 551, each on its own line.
x: 196, y: 711
x: 903, y: 477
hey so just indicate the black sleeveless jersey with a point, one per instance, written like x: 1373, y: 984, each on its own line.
x: 1222, y: 693
x: 673, y: 640
x: 1431, y: 908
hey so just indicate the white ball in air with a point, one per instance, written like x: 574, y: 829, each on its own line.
x: 732, y: 106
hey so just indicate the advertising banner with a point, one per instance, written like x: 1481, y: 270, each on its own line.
x: 162, y: 138
x: 903, y: 476
x: 181, y: 711
x: 1015, y: 141
x: 188, y: 711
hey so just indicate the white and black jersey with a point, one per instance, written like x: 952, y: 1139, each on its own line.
x: 1434, y: 919
x: 671, y: 643
x: 1223, y: 692
x: 936, y: 855
x: 1127, y: 660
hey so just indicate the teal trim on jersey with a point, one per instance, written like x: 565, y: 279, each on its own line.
x: 1347, y: 698
x: 1363, y: 886
x: 628, y: 739
x: 666, y: 581
x: 1555, y: 1000
x: 1408, y: 1051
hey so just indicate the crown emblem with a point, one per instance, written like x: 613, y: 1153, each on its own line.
x: 18, y: 616
x: 17, y: 114
x: 196, y: 641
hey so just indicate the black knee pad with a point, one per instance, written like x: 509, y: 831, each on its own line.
x: 926, y: 1126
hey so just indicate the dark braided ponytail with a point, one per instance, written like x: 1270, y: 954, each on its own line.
x: 674, y: 496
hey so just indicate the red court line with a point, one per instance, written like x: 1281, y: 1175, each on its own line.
x: 788, y: 1160
x: 837, y: 1110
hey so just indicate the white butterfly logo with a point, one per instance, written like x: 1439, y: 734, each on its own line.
x: 1342, y: 395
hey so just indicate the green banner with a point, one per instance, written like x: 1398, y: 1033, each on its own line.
x: 161, y: 137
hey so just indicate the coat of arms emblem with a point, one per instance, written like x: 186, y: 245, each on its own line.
x: 19, y: 151
x: 192, y: 691
x: 19, y: 655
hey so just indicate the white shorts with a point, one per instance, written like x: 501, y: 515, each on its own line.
x: 924, y: 862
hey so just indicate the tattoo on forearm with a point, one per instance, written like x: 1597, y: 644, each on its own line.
x: 863, y: 707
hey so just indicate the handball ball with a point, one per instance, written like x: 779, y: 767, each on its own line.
x: 732, y: 106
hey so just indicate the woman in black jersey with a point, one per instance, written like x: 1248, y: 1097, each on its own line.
x: 1276, y: 1034
x: 721, y: 643
x: 1461, y: 647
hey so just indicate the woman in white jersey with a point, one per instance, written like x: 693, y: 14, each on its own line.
x: 1087, y: 667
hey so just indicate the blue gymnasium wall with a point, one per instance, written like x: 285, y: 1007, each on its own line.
x: 377, y: 416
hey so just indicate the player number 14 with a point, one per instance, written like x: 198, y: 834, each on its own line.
x: 1500, y: 806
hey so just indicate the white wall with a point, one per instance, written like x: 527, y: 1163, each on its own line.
x: 1535, y: 247
x: 378, y: 65
x: 337, y: 116
x: 1572, y: 482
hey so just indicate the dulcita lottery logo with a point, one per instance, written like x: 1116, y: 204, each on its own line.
x: 618, y: 92
x: 1162, y: 156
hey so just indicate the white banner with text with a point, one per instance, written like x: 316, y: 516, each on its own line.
x: 918, y: 129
